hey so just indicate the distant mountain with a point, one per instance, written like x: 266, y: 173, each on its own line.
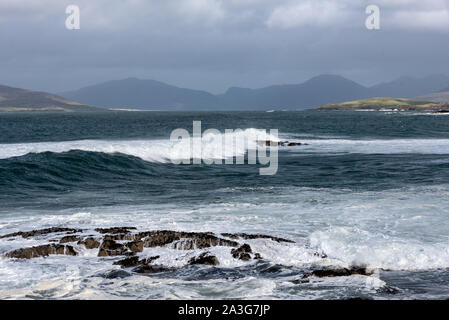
x: 440, y: 97
x: 408, y: 87
x: 316, y: 91
x: 143, y: 94
x: 16, y: 99
x: 323, y: 89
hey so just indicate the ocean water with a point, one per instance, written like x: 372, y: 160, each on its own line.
x: 370, y: 189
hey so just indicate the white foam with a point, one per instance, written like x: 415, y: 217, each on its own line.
x: 354, y: 246
x: 377, y: 146
x: 214, y: 146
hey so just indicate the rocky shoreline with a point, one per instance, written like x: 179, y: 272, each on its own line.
x: 126, y: 243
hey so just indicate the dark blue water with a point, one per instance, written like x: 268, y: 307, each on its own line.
x: 369, y: 188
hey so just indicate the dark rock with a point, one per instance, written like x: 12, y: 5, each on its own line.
x: 205, y: 258
x: 193, y: 240
x: 321, y: 255
x: 40, y: 232
x: 269, y: 143
x: 343, y: 272
x: 112, y: 248
x: 128, y: 262
x: 135, y: 246
x: 146, y: 268
x: 254, y: 236
x: 115, y: 230
x: 257, y: 256
x: 134, y: 261
x: 41, y: 251
x: 90, y: 243
x: 150, y: 259
x: 69, y: 239
x: 119, y: 237
x: 201, y: 243
x: 242, y: 253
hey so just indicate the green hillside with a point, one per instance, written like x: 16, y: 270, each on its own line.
x: 385, y: 103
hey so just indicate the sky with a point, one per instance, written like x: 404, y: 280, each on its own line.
x: 215, y: 44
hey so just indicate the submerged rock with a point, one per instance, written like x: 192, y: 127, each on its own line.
x: 205, y: 258
x: 41, y: 251
x: 146, y: 268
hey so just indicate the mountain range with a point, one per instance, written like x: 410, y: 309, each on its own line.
x: 132, y: 93
x: 319, y: 90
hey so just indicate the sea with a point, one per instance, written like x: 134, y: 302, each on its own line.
x: 366, y: 189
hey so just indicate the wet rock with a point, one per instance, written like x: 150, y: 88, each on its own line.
x: 191, y: 240
x: 242, y: 253
x: 257, y: 256
x: 205, y: 258
x: 270, y: 143
x: 40, y: 232
x: 119, y: 237
x: 112, y: 248
x: 321, y: 255
x: 135, y: 246
x: 115, y: 230
x: 150, y: 259
x: 254, y: 236
x: 90, y: 243
x: 41, y: 251
x: 343, y: 272
x: 134, y: 261
x: 146, y: 268
x: 201, y: 243
x: 128, y: 262
x: 69, y: 239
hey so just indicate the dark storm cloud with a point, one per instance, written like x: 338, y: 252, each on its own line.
x: 212, y: 44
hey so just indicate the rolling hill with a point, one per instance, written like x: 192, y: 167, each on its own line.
x: 143, y: 94
x: 16, y: 99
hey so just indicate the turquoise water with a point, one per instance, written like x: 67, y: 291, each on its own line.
x: 370, y: 189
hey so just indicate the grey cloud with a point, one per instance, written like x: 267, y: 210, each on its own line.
x: 213, y: 44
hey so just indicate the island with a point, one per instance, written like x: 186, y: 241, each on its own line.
x: 397, y: 104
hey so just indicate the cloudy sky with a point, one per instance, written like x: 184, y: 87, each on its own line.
x: 214, y: 44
